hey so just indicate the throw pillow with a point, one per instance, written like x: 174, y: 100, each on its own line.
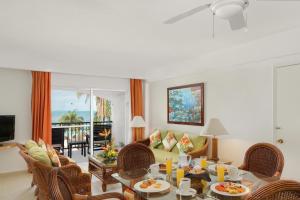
x: 42, y: 144
x: 30, y: 143
x: 170, y: 141
x: 53, y: 156
x: 185, y: 145
x: 155, y: 139
x: 40, y: 155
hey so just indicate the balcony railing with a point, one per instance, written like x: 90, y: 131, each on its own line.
x: 63, y: 133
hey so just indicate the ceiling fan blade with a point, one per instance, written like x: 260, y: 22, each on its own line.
x: 237, y: 21
x: 187, y: 14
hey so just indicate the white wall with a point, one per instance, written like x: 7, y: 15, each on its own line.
x: 240, y: 98
x: 103, y: 85
x: 15, y: 99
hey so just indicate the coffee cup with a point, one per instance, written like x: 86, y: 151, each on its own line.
x: 154, y: 170
x: 185, y: 185
x: 233, y: 172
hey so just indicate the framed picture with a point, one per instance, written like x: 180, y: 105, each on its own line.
x: 186, y: 104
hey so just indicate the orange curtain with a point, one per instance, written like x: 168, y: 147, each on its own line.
x: 137, y: 106
x: 41, y: 106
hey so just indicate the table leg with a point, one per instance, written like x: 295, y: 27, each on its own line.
x: 103, y: 187
x: 81, y: 149
x: 70, y: 150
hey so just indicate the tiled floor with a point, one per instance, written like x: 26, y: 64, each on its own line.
x: 16, y: 186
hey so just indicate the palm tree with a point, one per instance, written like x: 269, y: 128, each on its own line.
x: 71, y: 117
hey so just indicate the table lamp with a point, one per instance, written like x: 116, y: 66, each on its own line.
x: 215, y: 128
x: 138, y: 122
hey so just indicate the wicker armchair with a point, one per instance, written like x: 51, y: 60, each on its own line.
x: 81, y: 181
x: 278, y: 190
x: 135, y: 156
x: 195, y: 154
x: 61, y: 189
x: 265, y: 161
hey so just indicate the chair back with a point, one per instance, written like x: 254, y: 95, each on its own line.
x: 278, y: 190
x: 265, y: 159
x: 59, y: 186
x: 135, y: 156
x: 27, y: 159
x: 41, y: 176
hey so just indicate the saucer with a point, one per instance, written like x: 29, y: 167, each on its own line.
x: 192, y: 192
x: 238, y: 178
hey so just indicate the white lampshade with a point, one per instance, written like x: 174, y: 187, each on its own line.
x: 214, y: 127
x: 138, y: 122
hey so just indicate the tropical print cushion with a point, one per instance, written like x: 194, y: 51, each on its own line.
x: 30, y: 143
x: 42, y: 144
x: 40, y: 155
x: 53, y: 156
x: 185, y: 145
x: 155, y: 139
x: 169, y: 141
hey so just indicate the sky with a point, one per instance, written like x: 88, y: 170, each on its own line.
x: 67, y: 100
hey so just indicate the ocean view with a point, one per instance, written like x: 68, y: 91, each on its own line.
x: 57, y: 114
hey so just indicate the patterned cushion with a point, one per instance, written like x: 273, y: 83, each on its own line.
x: 40, y: 155
x: 42, y: 144
x: 185, y: 145
x: 170, y: 141
x: 155, y: 139
x: 53, y: 156
x: 30, y: 143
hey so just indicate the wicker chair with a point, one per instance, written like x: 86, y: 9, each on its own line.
x: 265, y: 161
x: 81, y: 181
x: 135, y: 156
x: 61, y: 189
x: 278, y: 190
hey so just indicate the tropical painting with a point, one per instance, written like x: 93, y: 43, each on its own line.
x: 186, y: 104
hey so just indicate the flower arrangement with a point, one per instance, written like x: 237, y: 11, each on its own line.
x: 109, y: 153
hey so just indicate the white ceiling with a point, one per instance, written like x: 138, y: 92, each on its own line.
x: 126, y: 38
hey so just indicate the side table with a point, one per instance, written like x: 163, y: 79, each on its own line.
x: 103, y: 171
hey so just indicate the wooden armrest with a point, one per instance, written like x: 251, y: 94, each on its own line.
x: 199, y: 152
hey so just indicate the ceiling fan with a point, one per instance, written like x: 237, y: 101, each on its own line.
x: 231, y: 10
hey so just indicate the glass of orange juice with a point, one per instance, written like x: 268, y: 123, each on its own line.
x: 179, y: 175
x: 220, y: 173
x: 203, y: 162
x: 169, y: 166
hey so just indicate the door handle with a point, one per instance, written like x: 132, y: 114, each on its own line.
x: 280, y: 141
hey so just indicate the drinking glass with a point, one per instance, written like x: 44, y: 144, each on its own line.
x: 169, y: 166
x: 203, y: 161
x: 179, y: 175
x: 220, y: 173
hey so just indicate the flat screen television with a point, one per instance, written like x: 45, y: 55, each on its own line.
x: 7, y: 127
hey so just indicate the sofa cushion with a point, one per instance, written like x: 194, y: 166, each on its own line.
x: 170, y: 141
x: 42, y: 144
x: 163, y: 134
x: 161, y: 155
x: 198, y: 141
x: 30, y: 143
x: 40, y: 155
x: 155, y: 139
x: 53, y: 156
x: 185, y: 145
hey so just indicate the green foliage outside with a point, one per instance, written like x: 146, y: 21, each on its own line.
x: 71, y: 117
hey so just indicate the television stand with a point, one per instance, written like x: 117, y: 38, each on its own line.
x: 5, y: 146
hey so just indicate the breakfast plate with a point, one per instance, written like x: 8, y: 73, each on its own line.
x: 230, y: 189
x: 152, y: 186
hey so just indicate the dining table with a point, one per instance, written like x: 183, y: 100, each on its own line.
x: 128, y: 179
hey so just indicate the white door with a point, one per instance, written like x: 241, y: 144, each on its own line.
x: 287, y: 131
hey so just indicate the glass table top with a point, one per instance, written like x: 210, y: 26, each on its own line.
x: 130, y: 178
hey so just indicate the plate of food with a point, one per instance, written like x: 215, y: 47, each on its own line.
x: 162, y: 167
x: 230, y: 189
x: 213, y: 168
x: 152, y: 186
